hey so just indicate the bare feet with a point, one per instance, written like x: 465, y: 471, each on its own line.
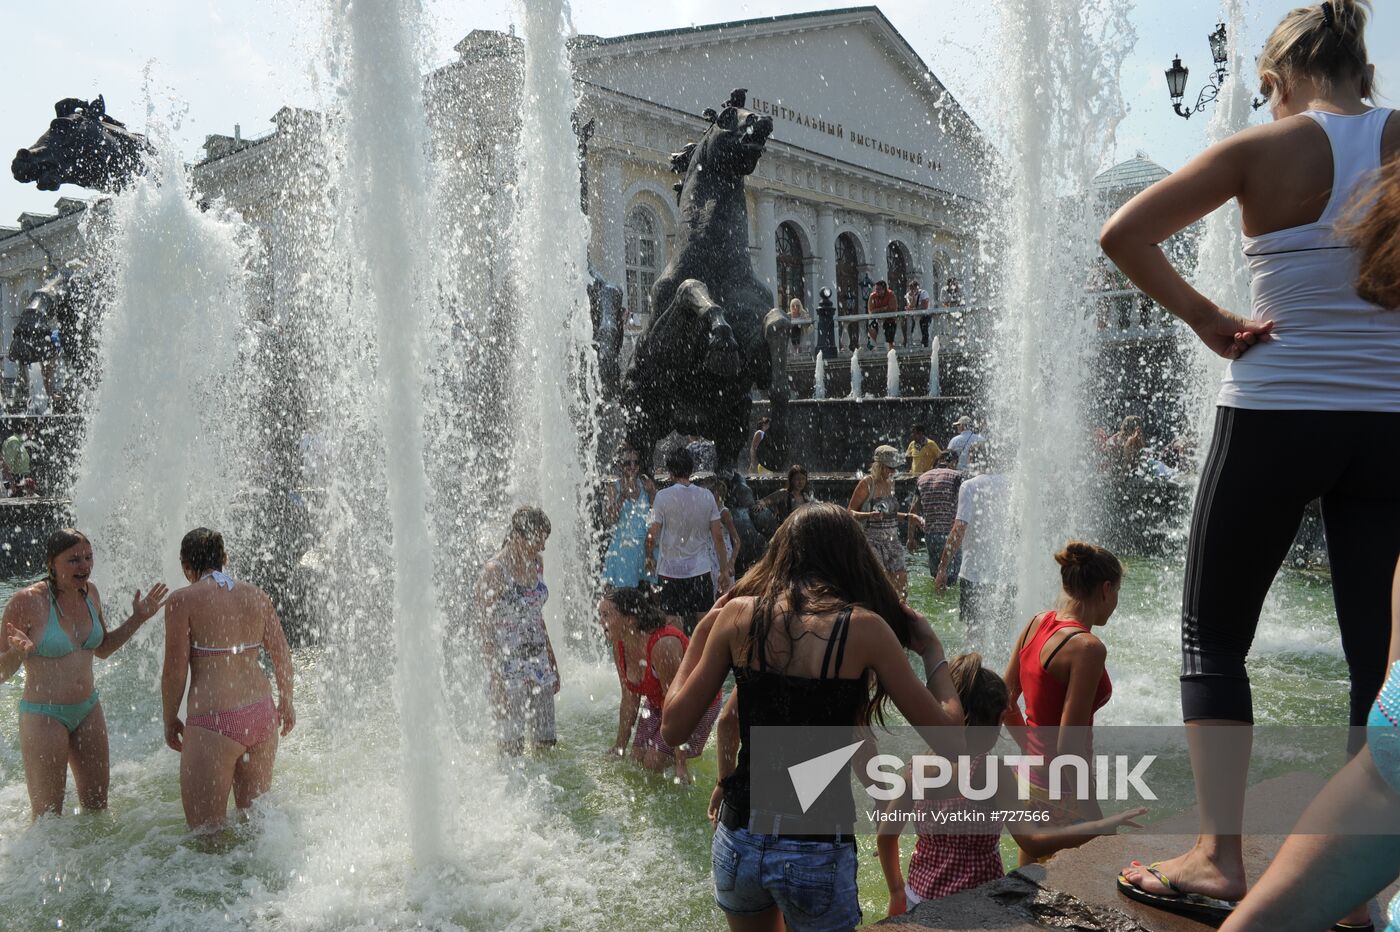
x: 1193, y: 872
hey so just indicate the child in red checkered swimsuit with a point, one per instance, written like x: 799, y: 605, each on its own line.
x: 952, y: 854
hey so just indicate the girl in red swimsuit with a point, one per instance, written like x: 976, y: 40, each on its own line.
x: 648, y: 653
x: 1058, y: 665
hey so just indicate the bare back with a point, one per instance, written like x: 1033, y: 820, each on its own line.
x: 796, y: 645
x: 1287, y: 172
x: 221, y: 619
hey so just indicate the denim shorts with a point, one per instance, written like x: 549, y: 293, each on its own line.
x: 813, y: 883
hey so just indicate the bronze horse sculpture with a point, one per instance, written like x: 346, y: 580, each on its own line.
x: 717, y: 335
x: 85, y: 147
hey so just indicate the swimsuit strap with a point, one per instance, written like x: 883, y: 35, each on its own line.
x: 1047, y: 661
x: 837, y: 644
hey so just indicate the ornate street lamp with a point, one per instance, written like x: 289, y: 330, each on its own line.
x: 1178, y: 73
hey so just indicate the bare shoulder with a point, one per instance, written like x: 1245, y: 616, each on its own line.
x: 27, y: 603
x: 868, y: 624
x: 95, y: 596
x: 1086, y: 646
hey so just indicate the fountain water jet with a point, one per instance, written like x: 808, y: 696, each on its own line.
x: 1066, y: 103
x: 1221, y: 272
x: 556, y: 387
x: 385, y: 186
x: 855, y: 374
x: 934, y: 389
x: 891, y: 375
x: 819, y: 377
x: 164, y: 449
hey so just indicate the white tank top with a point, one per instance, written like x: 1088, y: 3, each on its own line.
x: 1331, y: 350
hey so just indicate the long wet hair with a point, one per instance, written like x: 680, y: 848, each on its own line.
x: 60, y: 540
x: 528, y: 521
x: 820, y: 555
x: 1375, y: 231
x: 1324, y: 41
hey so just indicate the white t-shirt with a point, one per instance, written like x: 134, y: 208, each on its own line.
x: 684, y: 512
x: 984, y: 505
x: 961, y: 442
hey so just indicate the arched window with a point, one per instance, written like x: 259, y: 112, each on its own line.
x: 847, y: 274
x: 791, y: 281
x: 642, y: 255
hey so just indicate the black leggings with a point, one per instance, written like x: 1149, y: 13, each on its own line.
x: 1263, y: 469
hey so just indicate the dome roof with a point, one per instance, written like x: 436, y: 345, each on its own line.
x: 1137, y: 172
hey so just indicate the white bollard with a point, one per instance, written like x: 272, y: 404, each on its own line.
x: 891, y: 375
x: 819, y: 377
x: 934, y: 390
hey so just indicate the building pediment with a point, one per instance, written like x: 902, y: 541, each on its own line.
x: 841, y: 83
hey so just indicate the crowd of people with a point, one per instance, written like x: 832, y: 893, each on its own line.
x: 813, y: 626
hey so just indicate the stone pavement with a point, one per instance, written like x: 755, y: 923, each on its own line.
x: 1076, y: 890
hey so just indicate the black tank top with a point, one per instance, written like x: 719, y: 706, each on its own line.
x: 769, y: 697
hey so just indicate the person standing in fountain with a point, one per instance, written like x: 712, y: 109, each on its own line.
x: 815, y: 636
x: 787, y: 500
x: 649, y: 653
x: 1313, y: 359
x: 981, y: 530
x: 522, y: 671
x: 1061, y: 674
x: 755, y: 467
x: 937, y: 505
x: 629, y: 502
x: 215, y: 629
x: 53, y: 629
x: 684, y: 525
x: 874, y: 504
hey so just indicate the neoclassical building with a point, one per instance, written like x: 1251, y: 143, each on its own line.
x: 873, y: 170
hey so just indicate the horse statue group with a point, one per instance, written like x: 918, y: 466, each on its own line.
x: 717, y: 335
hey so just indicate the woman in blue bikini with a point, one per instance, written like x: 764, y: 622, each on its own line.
x: 54, y: 628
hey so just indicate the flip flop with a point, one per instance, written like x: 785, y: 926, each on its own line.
x: 1349, y: 927
x: 1194, y: 905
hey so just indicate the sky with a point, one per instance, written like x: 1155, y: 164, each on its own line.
x: 205, y: 65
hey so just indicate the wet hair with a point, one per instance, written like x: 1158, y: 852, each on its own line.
x: 883, y: 282
x: 981, y: 691
x: 719, y: 487
x: 1325, y: 42
x: 1084, y: 567
x: 1375, y: 231
x: 202, y: 550
x: 639, y: 602
x: 622, y: 450
x: 795, y: 470
x: 765, y: 419
x: 1131, y: 422
x: 65, y: 538
x: 918, y: 429
x: 528, y: 521
x: 680, y: 462
x: 820, y: 557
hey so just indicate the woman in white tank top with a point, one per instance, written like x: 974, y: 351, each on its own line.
x: 1311, y: 365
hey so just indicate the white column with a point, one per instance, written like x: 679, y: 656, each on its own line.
x: 613, y: 218
x: 926, y: 261
x: 879, y: 244
x: 826, y: 249
x: 767, y: 270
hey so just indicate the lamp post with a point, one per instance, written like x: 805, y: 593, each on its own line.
x: 1178, y: 73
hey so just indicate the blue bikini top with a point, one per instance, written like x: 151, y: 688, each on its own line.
x: 57, y: 643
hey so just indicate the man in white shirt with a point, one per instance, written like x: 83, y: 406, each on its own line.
x: 916, y: 299
x: 965, y: 439
x: 982, y: 530
x: 683, y: 525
